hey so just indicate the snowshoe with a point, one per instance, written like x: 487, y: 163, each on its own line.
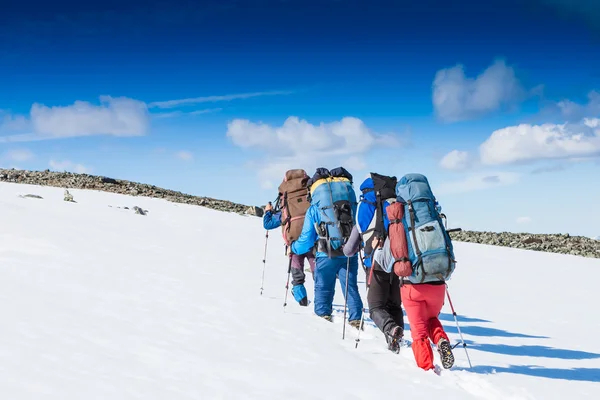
x: 445, y: 350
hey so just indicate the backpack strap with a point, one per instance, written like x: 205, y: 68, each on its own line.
x: 379, y: 214
x: 411, y: 229
x: 286, y: 209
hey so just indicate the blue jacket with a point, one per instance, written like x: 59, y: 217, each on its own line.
x: 366, y: 212
x: 272, y: 221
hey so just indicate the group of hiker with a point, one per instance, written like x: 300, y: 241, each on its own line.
x: 395, y: 228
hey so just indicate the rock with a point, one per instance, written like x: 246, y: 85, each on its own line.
x: 256, y: 211
x: 32, y: 196
x: 139, y: 211
x: 111, y: 181
x: 531, y: 240
x: 68, y: 196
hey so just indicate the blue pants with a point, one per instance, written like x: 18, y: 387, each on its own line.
x: 325, y: 274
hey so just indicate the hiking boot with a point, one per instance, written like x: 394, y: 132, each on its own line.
x: 394, y: 338
x: 355, y: 324
x: 326, y: 317
x: 445, y: 350
x: 299, y: 293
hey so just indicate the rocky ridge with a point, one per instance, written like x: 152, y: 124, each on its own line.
x: 552, y: 243
x: 69, y: 180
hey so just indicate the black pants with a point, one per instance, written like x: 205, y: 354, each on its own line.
x: 384, y: 301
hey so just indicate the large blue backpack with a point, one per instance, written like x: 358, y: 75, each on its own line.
x: 332, y: 194
x: 429, y: 246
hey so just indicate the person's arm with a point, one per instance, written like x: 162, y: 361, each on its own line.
x: 308, y: 237
x: 352, y: 246
x: 271, y: 221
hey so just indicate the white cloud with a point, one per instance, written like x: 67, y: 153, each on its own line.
x: 478, y: 182
x: 69, y: 166
x: 457, y: 97
x: 456, y: 160
x: 524, y: 143
x: 213, y: 99
x: 355, y: 163
x: 549, y: 169
x: 524, y: 220
x: 113, y: 116
x: 345, y: 137
x: 559, y: 144
x: 300, y: 144
x: 571, y: 109
x: 11, y: 123
x: 185, y: 155
x: 174, y: 114
x: 18, y: 155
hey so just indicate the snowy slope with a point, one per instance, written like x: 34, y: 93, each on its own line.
x: 99, y: 303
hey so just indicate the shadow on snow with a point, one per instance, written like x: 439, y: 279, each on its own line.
x: 574, y: 374
x: 533, y: 351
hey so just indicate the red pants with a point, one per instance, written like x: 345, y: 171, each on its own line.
x: 423, y: 304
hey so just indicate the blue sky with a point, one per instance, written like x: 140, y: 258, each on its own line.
x: 497, y: 102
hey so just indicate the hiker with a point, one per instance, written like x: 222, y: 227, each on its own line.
x: 292, y: 203
x: 333, y: 201
x: 419, y: 250
x: 273, y: 221
x: 383, y: 288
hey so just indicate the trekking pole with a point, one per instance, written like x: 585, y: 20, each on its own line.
x: 458, y: 327
x: 346, y: 297
x: 264, y: 263
x: 287, y: 285
x: 362, y: 319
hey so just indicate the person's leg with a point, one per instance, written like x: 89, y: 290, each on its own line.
x: 378, y: 298
x: 298, y: 277
x: 325, y: 272
x: 394, y: 305
x: 354, y: 301
x: 435, y: 302
x: 416, y: 311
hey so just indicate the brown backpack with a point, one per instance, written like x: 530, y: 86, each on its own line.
x: 293, y: 193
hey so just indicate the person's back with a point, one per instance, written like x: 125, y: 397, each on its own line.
x: 332, y: 200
